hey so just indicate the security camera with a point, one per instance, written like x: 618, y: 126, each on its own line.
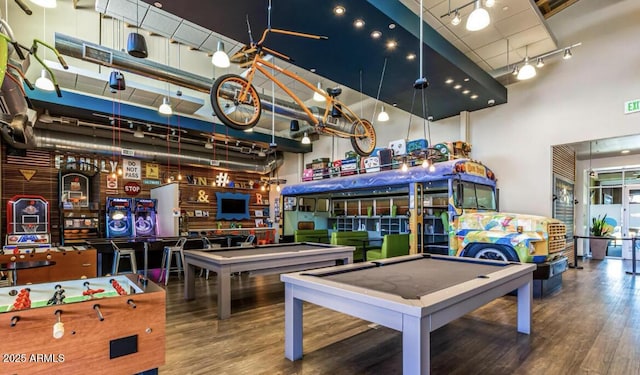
x: 491, y: 102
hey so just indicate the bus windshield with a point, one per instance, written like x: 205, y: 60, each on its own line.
x: 477, y: 197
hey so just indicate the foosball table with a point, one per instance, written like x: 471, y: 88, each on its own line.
x: 105, y: 325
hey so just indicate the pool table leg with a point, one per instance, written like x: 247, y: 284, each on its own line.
x: 224, y: 293
x: 525, y: 300
x: 292, y: 324
x: 416, y: 346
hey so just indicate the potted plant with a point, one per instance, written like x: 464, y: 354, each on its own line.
x: 599, y: 228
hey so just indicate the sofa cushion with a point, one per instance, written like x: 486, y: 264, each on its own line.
x: 393, y: 245
x: 311, y: 235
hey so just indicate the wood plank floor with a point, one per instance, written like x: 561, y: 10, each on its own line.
x: 590, y: 326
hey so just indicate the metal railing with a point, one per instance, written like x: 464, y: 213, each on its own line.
x: 633, y: 249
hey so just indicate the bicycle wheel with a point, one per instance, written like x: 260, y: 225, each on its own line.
x: 363, y: 139
x: 239, y: 115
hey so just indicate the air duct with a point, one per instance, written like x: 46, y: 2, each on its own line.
x: 189, y: 155
x: 74, y: 47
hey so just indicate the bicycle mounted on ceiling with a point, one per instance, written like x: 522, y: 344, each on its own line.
x: 237, y: 104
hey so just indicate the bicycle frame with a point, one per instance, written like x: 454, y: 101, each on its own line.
x: 259, y: 64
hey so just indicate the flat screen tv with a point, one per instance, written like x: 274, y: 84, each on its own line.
x: 232, y: 206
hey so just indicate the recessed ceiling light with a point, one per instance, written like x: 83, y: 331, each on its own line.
x: 312, y: 70
x: 465, y: 92
x: 505, y: 8
x: 625, y: 151
x: 339, y: 10
x: 474, y: 96
x: 392, y: 26
x: 157, y: 4
x: 411, y: 56
x: 449, y: 81
x: 466, y: 79
x: 359, y: 23
x: 457, y: 87
x: 392, y: 44
x: 395, y: 104
x: 375, y: 34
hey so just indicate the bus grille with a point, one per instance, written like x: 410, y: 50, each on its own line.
x: 557, y: 237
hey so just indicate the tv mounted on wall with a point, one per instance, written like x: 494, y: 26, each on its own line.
x: 232, y: 206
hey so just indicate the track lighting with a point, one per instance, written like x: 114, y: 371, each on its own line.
x: 305, y: 139
x: 165, y: 107
x: 455, y: 21
x: 567, y: 54
x: 516, y: 70
x: 138, y: 133
x: 220, y: 57
x: 44, y: 82
x: 383, y: 116
x: 540, y: 62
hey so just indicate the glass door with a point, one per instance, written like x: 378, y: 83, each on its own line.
x: 631, y: 222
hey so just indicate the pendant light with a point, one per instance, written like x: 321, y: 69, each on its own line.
x: 479, y: 18
x: 317, y: 96
x: 45, y: 3
x: 136, y: 44
x: 383, y: 116
x: 305, y: 139
x: 527, y: 71
x: 44, y: 82
x: 116, y: 81
x: 220, y: 57
x: 165, y: 107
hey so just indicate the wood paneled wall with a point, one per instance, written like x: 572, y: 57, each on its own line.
x: 44, y: 182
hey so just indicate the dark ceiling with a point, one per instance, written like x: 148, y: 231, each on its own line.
x: 351, y: 52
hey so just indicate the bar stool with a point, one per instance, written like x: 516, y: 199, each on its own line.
x: 118, y: 253
x: 167, y: 257
x: 207, y: 245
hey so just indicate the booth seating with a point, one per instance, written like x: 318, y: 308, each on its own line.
x: 393, y: 245
x: 311, y: 235
x: 346, y: 239
x: 167, y: 257
x: 118, y: 254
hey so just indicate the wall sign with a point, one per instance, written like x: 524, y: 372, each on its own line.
x: 132, y: 188
x: 27, y: 173
x: 153, y: 170
x: 632, y: 106
x: 132, y: 169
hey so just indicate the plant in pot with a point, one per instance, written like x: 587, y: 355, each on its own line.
x: 599, y: 228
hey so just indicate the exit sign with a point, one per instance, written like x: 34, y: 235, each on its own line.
x: 632, y: 106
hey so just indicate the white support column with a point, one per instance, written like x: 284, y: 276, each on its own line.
x: 464, y: 126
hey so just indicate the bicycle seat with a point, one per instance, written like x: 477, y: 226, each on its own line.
x: 334, y: 92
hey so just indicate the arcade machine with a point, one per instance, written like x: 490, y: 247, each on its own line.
x: 119, y: 217
x: 145, y: 222
x: 27, y: 223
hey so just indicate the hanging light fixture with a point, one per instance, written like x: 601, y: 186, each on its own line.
x: 527, y: 71
x: 405, y: 167
x: 479, y: 18
x: 305, y: 139
x: 278, y: 187
x: 317, y: 96
x: 116, y: 81
x: 220, y: 57
x: 294, y: 126
x: 516, y: 70
x: 383, y: 116
x: 136, y: 44
x: 165, y: 107
x: 45, y: 3
x: 432, y: 167
x: 425, y: 163
x: 44, y: 82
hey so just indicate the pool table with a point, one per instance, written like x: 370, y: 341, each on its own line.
x: 267, y: 259
x: 414, y: 294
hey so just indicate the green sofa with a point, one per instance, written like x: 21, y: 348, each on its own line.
x: 311, y: 235
x: 393, y: 245
x: 347, y: 239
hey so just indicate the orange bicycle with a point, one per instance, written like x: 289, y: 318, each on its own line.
x: 237, y: 104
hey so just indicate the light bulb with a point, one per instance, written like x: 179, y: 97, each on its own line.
x: 425, y: 163
x: 478, y: 19
x: 278, y: 187
x: 43, y: 82
x: 405, y: 167
x: 432, y: 167
x: 179, y: 177
x: 317, y: 96
x: 383, y: 116
x: 114, y: 175
x: 119, y: 171
x: 263, y: 188
x: 489, y: 3
x: 305, y: 139
x: 165, y: 107
x: 220, y: 57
